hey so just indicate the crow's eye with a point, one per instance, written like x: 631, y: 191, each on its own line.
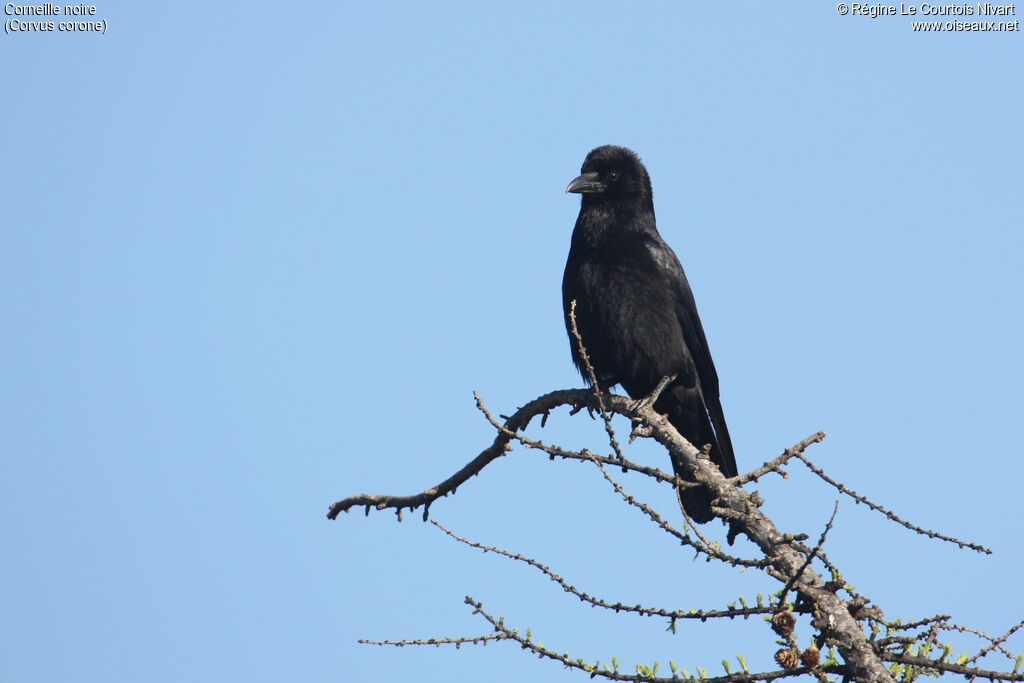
x: 614, y: 175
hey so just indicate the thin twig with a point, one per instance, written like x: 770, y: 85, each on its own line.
x: 593, y: 380
x: 583, y: 456
x: 810, y: 556
x: 702, y: 615
x: 704, y: 546
x: 939, y: 665
x: 610, y: 674
x: 777, y: 463
x: 498, y: 448
x: 891, y: 515
x: 457, y: 642
x: 995, y: 642
x: 911, y: 625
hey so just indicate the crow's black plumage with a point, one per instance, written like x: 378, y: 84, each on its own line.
x: 635, y: 312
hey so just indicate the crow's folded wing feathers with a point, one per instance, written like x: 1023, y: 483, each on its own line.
x: 697, y: 344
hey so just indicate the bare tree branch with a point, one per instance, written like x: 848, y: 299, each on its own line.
x: 595, y: 670
x: 498, y: 448
x: 457, y: 642
x: 891, y: 515
x: 839, y: 622
x: 701, y: 615
x: 777, y: 463
x: 996, y: 643
x: 938, y: 665
x: 783, y: 557
x: 583, y: 456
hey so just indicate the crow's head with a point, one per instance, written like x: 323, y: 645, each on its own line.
x: 612, y: 174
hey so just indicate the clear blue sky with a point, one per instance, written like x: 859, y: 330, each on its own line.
x: 256, y: 260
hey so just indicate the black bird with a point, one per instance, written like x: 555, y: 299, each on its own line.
x: 635, y: 312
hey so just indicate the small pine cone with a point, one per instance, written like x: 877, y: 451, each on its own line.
x: 783, y: 623
x: 788, y: 659
x: 810, y: 657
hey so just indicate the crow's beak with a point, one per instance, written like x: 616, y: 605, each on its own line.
x: 586, y: 183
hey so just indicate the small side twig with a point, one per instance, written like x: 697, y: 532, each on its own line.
x: 810, y: 556
x: 777, y: 463
x: 592, y: 377
x: 703, y: 546
x: 994, y: 642
x: 888, y: 513
x: 582, y: 456
x: 702, y: 615
x: 498, y: 448
x: 607, y: 673
x: 938, y: 665
x: 457, y: 642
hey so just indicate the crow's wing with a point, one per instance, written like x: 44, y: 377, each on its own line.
x: 697, y: 344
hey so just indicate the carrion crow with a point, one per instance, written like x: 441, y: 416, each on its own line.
x: 635, y: 312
